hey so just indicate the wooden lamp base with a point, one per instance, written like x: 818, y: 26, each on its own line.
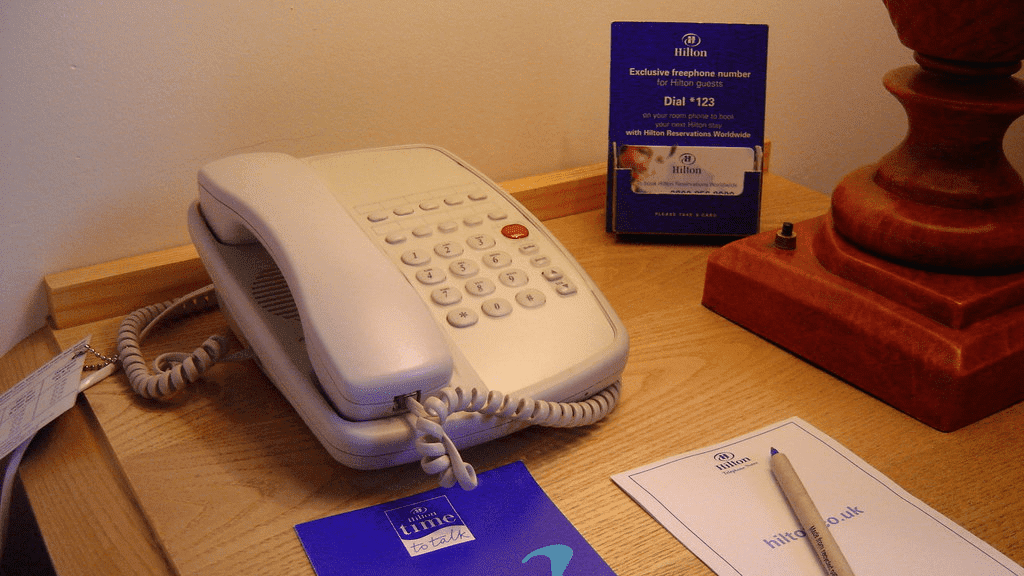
x: 943, y: 348
x: 912, y: 286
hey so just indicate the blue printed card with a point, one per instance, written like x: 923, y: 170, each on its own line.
x: 507, y: 526
x: 686, y: 128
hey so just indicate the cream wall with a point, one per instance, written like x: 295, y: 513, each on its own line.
x: 109, y: 107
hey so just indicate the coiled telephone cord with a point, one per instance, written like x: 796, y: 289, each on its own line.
x: 438, y: 451
x: 174, y: 370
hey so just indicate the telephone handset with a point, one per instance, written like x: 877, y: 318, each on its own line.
x: 364, y: 355
x: 403, y: 303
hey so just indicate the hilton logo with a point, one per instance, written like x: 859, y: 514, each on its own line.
x: 687, y: 167
x: 429, y: 525
x: 728, y: 461
x: 691, y: 41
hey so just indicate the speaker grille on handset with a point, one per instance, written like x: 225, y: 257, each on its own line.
x: 271, y: 292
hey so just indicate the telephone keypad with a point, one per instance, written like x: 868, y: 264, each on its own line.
x: 464, y: 268
x: 531, y: 298
x: 497, y: 259
x: 529, y: 248
x: 499, y: 268
x: 551, y: 274
x: 448, y: 249
x: 480, y: 287
x: 515, y: 231
x: 564, y: 287
x: 415, y: 257
x: 540, y: 261
x: 496, y: 307
x: 480, y: 242
x: 446, y: 296
x: 462, y: 317
x: 430, y: 276
x: 513, y: 278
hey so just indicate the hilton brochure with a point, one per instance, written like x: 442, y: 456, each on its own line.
x: 723, y: 504
x: 686, y: 127
x: 506, y: 526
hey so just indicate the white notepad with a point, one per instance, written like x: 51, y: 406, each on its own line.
x: 723, y: 504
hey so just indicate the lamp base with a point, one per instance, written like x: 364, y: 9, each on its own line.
x: 946, y: 349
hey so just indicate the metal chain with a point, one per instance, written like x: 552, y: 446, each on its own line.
x: 107, y: 360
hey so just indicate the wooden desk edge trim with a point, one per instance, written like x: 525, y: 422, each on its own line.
x: 116, y: 288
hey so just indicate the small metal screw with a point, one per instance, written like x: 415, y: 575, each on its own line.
x: 785, y: 239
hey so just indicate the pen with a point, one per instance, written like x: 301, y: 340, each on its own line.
x: 824, y: 545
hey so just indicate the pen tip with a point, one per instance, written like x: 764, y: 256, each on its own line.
x: 774, y: 451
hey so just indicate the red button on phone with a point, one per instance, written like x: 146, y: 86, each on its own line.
x: 515, y: 231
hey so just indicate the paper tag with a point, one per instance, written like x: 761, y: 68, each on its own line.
x: 41, y: 397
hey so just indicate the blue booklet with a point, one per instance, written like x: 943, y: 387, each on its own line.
x: 686, y: 128
x: 506, y: 526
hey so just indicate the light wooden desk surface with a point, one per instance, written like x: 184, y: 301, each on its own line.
x: 214, y: 483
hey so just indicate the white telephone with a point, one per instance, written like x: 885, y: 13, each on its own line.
x: 403, y: 303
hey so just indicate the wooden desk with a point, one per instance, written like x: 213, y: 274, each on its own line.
x: 214, y: 483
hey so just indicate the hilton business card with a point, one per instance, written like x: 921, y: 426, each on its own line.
x: 686, y: 128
